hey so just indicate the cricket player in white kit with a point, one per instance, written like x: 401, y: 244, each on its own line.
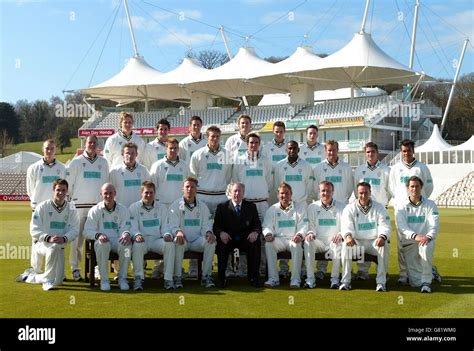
x: 324, y: 234
x: 168, y: 174
x: 312, y: 151
x: 418, y: 224
x: 54, y: 223
x: 86, y: 174
x: 190, y: 222
x: 129, y: 176
x: 284, y: 228
x: 236, y: 144
x: 377, y: 175
x: 39, y: 179
x: 156, y: 149
x: 366, y: 228
x: 399, y: 175
x: 296, y: 172
x: 149, y: 222
x: 114, y: 144
x: 108, y: 223
x: 194, y: 141
x: 212, y: 167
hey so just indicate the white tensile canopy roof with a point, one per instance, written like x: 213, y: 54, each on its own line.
x: 18, y: 162
x: 468, y: 145
x: 234, y: 78
x: 434, y: 143
x: 360, y: 63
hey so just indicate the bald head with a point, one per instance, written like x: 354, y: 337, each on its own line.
x: 107, y: 192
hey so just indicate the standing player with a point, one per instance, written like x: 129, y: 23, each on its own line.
x: 236, y: 145
x: 312, y: 151
x: 54, y: 223
x: 194, y: 141
x: 156, y: 149
x: 114, y: 144
x: 399, y: 175
x: 85, y: 174
x: 418, y: 225
x: 275, y: 150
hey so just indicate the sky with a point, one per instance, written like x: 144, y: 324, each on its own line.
x: 49, y: 46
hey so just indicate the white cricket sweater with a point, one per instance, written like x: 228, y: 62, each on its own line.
x: 285, y: 223
x: 168, y: 177
x: 113, y: 148
x: 275, y: 152
x: 49, y: 220
x: 256, y: 174
x: 340, y: 174
x: 189, y: 145
x: 298, y: 174
x: 312, y: 154
x: 325, y: 222
x: 39, y: 180
x: 378, y: 177
x: 193, y: 222
x: 128, y: 182
x: 212, y: 169
x: 401, y: 172
x: 366, y: 224
x: 150, y: 221
x: 111, y: 223
x: 155, y: 151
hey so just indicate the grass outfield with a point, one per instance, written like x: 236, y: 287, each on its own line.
x: 454, y: 257
x: 37, y: 146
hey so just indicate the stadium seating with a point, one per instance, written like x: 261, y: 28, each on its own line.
x: 13, y: 183
x: 460, y: 194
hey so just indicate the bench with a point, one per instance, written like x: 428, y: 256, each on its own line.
x: 91, y: 260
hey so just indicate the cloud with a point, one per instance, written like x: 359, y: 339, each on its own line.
x: 183, y: 36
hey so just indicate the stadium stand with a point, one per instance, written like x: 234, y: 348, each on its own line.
x: 13, y: 183
x: 460, y: 194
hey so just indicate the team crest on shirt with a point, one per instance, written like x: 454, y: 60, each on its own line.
x: 116, y: 219
x: 141, y: 213
x: 155, y: 215
x: 285, y: 168
x: 50, y: 213
x: 120, y: 143
x: 318, y: 212
x: 58, y: 171
x: 278, y: 214
x: 100, y: 167
x: 300, y: 170
x: 357, y: 215
x: 363, y: 172
x: 305, y: 153
x: 207, y: 156
x: 66, y: 218
x: 83, y: 164
x: 166, y: 168
x: 41, y: 169
x: 189, y: 144
x: 325, y: 169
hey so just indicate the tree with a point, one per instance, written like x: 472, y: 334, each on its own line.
x: 63, y: 136
x: 209, y: 59
x: 9, y: 122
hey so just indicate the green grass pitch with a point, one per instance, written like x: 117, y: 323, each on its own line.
x: 454, y: 257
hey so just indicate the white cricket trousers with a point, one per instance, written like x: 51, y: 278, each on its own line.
x: 54, y: 264
x: 102, y: 251
x: 332, y: 251
x: 281, y: 244
x: 77, y: 245
x: 198, y: 245
x: 154, y: 244
x: 365, y: 246
x: 419, y: 263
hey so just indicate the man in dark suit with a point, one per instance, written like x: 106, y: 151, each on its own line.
x: 237, y: 225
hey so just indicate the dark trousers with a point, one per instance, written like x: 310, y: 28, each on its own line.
x: 253, y: 256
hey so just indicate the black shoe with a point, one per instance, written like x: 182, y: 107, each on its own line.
x: 221, y: 283
x: 256, y: 283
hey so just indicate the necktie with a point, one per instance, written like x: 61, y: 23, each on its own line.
x: 237, y: 209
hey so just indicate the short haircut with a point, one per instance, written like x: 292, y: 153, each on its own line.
x: 252, y: 135
x: 372, y: 145
x: 244, y: 116
x: 92, y: 136
x: 415, y: 179
x: 293, y: 142
x: 408, y: 143
x: 191, y: 179
x: 148, y: 184
x: 124, y: 115
x: 172, y: 141
x: 60, y: 181
x: 285, y: 185
x: 163, y: 122
x: 327, y: 182
x: 130, y: 146
x: 213, y: 129
x: 279, y: 124
x: 195, y: 118
x: 333, y: 143
x: 312, y: 126
x: 231, y: 185
x: 49, y: 141
x: 363, y: 184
